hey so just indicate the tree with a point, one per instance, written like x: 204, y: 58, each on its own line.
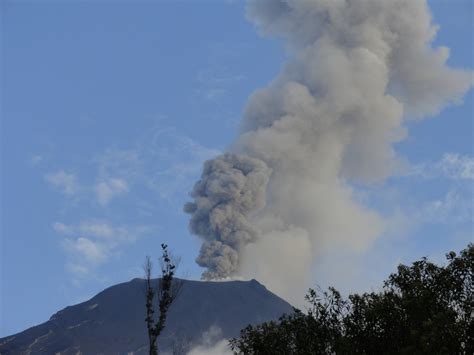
x: 167, y: 290
x: 422, y: 309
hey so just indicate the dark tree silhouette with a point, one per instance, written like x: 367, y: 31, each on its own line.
x: 423, y: 309
x: 167, y: 290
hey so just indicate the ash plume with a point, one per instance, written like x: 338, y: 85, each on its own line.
x: 357, y: 71
x: 231, y: 188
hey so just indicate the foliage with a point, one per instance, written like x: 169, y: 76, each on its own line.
x: 167, y: 290
x: 422, y: 309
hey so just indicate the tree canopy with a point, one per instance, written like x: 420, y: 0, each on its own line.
x: 422, y: 309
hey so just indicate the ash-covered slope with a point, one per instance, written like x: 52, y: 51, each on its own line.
x: 112, y: 322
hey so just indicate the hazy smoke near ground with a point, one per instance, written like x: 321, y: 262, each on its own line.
x: 356, y: 70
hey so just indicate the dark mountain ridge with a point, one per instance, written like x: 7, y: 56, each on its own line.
x: 113, y: 321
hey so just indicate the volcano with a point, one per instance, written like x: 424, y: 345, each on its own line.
x: 113, y: 321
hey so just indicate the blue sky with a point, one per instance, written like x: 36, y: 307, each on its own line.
x: 110, y: 108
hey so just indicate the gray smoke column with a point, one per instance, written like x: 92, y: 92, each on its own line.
x: 357, y: 70
x: 231, y: 188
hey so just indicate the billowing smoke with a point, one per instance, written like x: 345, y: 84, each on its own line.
x: 231, y: 188
x: 356, y: 71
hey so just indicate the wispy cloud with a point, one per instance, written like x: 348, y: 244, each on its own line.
x: 110, y: 188
x: 92, y: 242
x: 450, y: 166
x: 163, y: 161
x: 445, y: 197
x: 155, y: 171
x: 454, y: 207
x: 36, y: 159
x: 215, y: 82
x: 65, y: 182
x: 87, y: 250
x: 104, y: 190
x: 456, y: 166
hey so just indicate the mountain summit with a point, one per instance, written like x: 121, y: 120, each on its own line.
x: 113, y: 321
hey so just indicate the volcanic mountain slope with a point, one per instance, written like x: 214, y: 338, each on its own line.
x: 112, y: 322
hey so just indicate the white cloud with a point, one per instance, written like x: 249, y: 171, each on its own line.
x: 92, y: 242
x: 451, y: 208
x: 162, y: 161
x: 454, y: 204
x: 451, y: 166
x: 454, y: 207
x: 102, y: 230
x: 456, y: 166
x: 110, y: 188
x: 84, y: 248
x: 217, y: 75
x: 64, y: 182
x: 160, y: 166
x: 215, y: 82
x: 36, y: 159
x: 62, y: 228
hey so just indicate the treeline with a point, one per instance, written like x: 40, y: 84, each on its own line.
x: 423, y: 309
